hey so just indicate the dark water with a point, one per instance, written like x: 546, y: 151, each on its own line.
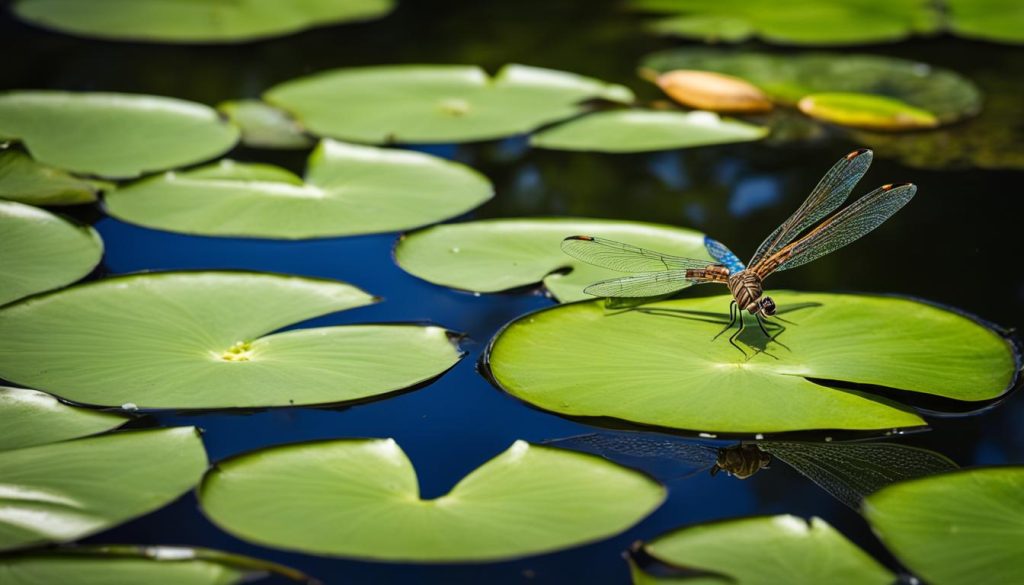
x: 957, y: 243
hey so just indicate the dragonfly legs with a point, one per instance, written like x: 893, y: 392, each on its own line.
x: 739, y: 330
x: 732, y: 319
x: 736, y: 313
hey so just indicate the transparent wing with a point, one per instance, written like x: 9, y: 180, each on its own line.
x: 851, y: 471
x: 624, y: 257
x: 723, y: 254
x: 859, y: 218
x: 826, y: 197
x: 643, y: 285
x: 645, y: 451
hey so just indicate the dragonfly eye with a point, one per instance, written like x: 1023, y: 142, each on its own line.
x: 767, y: 306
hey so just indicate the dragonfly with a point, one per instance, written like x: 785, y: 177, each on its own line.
x: 848, y: 471
x: 792, y: 244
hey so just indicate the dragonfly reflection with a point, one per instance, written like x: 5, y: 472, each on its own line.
x: 847, y: 471
x: 657, y: 274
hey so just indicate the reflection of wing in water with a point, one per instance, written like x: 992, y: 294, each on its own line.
x: 851, y: 471
x: 644, y: 452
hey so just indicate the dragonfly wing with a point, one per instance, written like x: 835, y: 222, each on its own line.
x: 723, y: 255
x: 647, y: 451
x: 826, y: 197
x: 859, y: 218
x: 625, y: 257
x: 651, y: 284
x: 851, y: 471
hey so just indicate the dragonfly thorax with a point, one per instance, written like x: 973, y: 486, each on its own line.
x: 747, y: 291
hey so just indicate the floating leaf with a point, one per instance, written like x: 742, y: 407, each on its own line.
x: 264, y: 126
x: 645, y: 130
x: 498, y: 255
x: 64, y: 491
x: 814, y: 22
x: 716, y: 92
x: 999, y: 21
x: 659, y: 364
x: 348, y: 190
x: 768, y: 550
x: 42, y: 251
x: 436, y: 103
x: 188, y: 21
x: 200, y: 340
x: 787, y: 78
x: 25, y: 180
x: 951, y: 528
x: 129, y: 565
x: 111, y: 134
x: 863, y: 110
x: 32, y: 418
x: 360, y: 498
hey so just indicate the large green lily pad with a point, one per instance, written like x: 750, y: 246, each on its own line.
x: 770, y: 550
x: 658, y: 364
x: 951, y: 528
x: 645, y: 130
x: 42, y: 251
x: 812, y: 22
x: 264, y: 126
x: 188, y: 21
x: 200, y: 340
x: 112, y: 134
x: 787, y: 78
x: 30, y: 418
x: 360, y: 498
x: 348, y: 190
x: 436, y: 103
x: 25, y: 180
x: 64, y: 491
x: 130, y: 565
x: 501, y: 254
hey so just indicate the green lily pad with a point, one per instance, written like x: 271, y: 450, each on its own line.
x: 436, y: 103
x: 264, y: 126
x: 814, y: 22
x: 131, y: 565
x: 188, y: 21
x: 641, y: 577
x: 768, y: 550
x: 65, y: 491
x: 645, y: 130
x: 951, y: 528
x: 360, y: 498
x: 658, y: 364
x: 498, y: 255
x: 200, y: 340
x: 863, y: 110
x: 32, y: 418
x: 787, y: 78
x: 999, y: 21
x: 42, y: 251
x: 348, y: 190
x: 25, y: 180
x: 113, y: 135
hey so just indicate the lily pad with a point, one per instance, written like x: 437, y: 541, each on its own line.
x: 787, y: 78
x: 659, y: 364
x: 951, y: 528
x: 42, y: 251
x: 999, y: 21
x: 348, y: 190
x: 498, y: 255
x: 360, y: 498
x: 200, y: 340
x: 814, y: 22
x: 770, y: 550
x: 436, y: 103
x: 645, y: 130
x: 65, y: 491
x: 717, y: 92
x: 130, y: 565
x: 188, y: 21
x: 111, y: 134
x: 25, y: 180
x: 264, y: 126
x: 32, y: 418
x: 863, y: 110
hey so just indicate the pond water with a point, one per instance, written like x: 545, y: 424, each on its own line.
x: 957, y: 244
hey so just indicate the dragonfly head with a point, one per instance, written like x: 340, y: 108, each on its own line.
x: 766, y: 306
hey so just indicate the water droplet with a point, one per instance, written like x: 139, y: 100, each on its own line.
x: 455, y: 250
x: 129, y: 406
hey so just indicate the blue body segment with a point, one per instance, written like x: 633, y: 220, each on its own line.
x: 724, y: 255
